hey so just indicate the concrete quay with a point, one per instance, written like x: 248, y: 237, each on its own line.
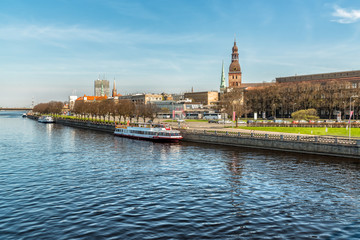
x: 103, y: 127
x: 289, y: 142
x: 328, y: 146
x: 216, y: 134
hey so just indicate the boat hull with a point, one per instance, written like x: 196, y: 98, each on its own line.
x: 150, y: 132
x: 154, y: 139
x: 45, y: 119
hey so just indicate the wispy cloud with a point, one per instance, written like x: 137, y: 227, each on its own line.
x: 81, y: 33
x: 346, y: 16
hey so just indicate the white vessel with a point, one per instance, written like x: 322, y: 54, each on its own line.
x: 153, y: 132
x: 46, y: 119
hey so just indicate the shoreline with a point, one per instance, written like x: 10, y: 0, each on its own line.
x: 318, y: 145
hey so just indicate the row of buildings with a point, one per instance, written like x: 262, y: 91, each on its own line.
x: 207, y: 101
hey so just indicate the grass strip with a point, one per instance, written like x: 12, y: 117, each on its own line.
x: 344, y: 132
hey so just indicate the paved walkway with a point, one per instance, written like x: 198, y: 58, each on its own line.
x: 224, y: 127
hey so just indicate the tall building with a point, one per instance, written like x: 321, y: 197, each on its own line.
x: 234, y: 68
x: 101, y: 88
x: 222, y: 83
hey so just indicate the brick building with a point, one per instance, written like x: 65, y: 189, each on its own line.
x: 349, y: 76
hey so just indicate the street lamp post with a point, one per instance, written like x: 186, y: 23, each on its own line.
x: 173, y: 111
x: 355, y: 96
x: 224, y: 119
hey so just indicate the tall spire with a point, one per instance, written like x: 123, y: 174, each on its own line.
x: 235, y: 53
x: 114, y: 91
x: 222, y: 83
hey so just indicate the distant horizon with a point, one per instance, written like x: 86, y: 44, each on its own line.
x: 53, y: 48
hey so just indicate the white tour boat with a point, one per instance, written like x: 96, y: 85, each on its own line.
x: 46, y: 119
x: 146, y: 131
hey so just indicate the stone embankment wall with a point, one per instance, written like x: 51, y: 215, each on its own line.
x: 332, y: 146
x: 32, y: 117
x: 104, y: 127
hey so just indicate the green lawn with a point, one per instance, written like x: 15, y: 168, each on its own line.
x: 188, y: 120
x: 355, y: 132
x: 196, y: 120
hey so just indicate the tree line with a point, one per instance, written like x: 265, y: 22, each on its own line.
x: 279, y: 99
x: 124, y: 109
x: 52, y: 107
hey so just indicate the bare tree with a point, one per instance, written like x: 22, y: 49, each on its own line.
x: 139, y: 111
x: 52, y: 107
x: 233, y: 102
x: 111, y: 109
x: 126, y: 109
x: 150, y: 111
x: 103, y: 109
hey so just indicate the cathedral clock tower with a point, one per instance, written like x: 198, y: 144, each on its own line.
x: 234, y: 69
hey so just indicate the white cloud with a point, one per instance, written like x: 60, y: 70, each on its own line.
x: 80, y: 33
x: 346, y: 16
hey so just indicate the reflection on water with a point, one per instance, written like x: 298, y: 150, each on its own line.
x: 49, y: 128
x: 65, y: 183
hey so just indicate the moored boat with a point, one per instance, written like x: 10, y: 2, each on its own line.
x: 46, y: 119
x: 146, y: 131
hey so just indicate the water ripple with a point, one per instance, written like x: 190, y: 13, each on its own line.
x: 64, y: 183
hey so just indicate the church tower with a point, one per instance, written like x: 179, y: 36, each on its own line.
x: 234, y: 69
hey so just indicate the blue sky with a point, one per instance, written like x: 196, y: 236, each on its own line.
x: 52, y: 49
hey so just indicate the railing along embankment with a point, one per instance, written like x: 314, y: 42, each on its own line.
x: 308, y: 125
x: 323, y: 145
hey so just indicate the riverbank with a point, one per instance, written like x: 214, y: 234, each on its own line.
x: 319, y: 145
x: 215, y: 134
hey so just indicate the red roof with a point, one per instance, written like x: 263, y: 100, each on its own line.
x: 91, y: 98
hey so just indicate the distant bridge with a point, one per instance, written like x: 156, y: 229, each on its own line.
x: 15, y: 109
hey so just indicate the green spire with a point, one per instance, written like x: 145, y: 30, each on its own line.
x: 222, y: 84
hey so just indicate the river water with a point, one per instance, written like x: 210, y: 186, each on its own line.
x: 59, y: 182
